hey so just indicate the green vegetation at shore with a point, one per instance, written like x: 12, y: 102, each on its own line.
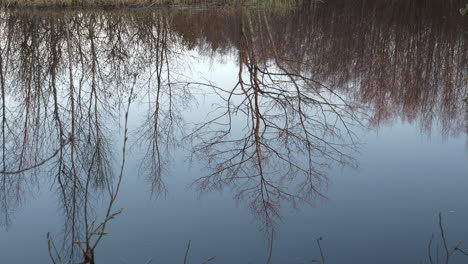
x: 145, y: 3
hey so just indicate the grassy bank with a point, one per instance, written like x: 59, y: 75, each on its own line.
x: 144, y: 3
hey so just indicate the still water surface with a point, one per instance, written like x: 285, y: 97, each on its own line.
x: 251, y: 133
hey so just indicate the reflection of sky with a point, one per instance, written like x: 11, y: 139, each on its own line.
x: 384, y: 212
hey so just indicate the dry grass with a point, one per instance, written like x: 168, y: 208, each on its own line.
x: 144, y: 3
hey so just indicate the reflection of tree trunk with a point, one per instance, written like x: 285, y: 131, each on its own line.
x: 256, y: 114
x: 466, y: 123
x: 4, y: 168
x: 158, y: 133
x: 54, y: 47
x: 289, y: 124
x: 27, y: 93
x: 72, y: 132
x: 286, y: 120
x: 156, y: 154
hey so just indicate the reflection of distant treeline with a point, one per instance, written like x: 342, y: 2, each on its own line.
x: 304, y: 76
x: 406, y: 59
x: 63, y: 79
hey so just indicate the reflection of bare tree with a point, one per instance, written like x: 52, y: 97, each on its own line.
x: 60, y: 96
x: 22, y: 112
x: 405, y: 61
x: 407, y: 64
x: 64, y: 77
x: 54, y: 106
x: 4, y: 196
x: 161, y: 125
x: 292, y: 129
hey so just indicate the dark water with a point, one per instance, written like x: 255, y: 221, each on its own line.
x: 251, y: 133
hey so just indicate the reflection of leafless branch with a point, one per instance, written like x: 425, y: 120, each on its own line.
x: 292, y: 131
x: 4, y: 183
x: 167, y: 96
x: 94, y: 233
x: 37, y: 165
x: 154, y: 161
x: 273, y: 136
x: 69, y: 102
x: 391, y: 64
x: 114, y: 192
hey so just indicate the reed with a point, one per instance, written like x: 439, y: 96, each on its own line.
x: 146, y: 3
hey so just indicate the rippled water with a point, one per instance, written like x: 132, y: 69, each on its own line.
x: 251, y: 133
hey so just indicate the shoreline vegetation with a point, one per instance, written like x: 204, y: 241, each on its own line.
x: 110, y: 4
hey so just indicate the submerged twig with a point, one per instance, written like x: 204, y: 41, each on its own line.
x: 187, y: 252
x: 322, y: 256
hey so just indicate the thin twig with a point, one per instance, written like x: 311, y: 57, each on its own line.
x: 187, y: 252
x: 114, y: 193
x: 322, y: 256
x: 429, y: 249
x: 442, y: 233
x: 462, y: 251
x: 209, y: 260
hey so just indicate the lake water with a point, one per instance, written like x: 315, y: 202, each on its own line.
x: 252, y: 133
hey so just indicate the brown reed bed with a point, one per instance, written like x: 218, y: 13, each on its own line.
x: 145, y: 3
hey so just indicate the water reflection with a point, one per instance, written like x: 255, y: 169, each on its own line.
x: 167, y: 94
x: 292, y: 128
x: 307, y: 80
x: 404, y: 60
